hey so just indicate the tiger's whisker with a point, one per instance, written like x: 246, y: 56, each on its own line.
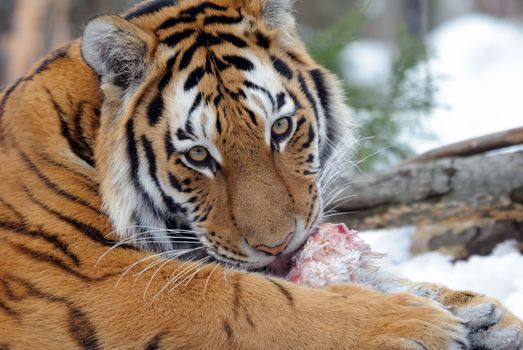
x: 208, y: 278
x: 184, y: 251
x: 152, y: 277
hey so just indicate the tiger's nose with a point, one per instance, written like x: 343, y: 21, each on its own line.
x: 278, y: 249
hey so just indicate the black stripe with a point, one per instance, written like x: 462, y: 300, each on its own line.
x: 188, y: 127
x: 182, y: 135
x: 134, y: 161
x: 150, y: 8
x: 197, y: 101
x: 53, y: 239
x: 151, y: 159
x: 295, y: 57
x: 174, y: 182
x: 228, y: 329
x: 8, y: 93
x: 194, y: 78
x: 222, y: 20
x: 132, y: 153
x: 173, y: 39
x: 297, y: 103
x: 9, y: 291
x: 87, y: 150
x: 218, y: 63
x: 188, y: 55
x: 251, y: 85
x: 252, y: 116
x: 207, y: 40
x: 233, y: 39
x: 90, y: 231
x: 154, y: 343
x: 79, y: 149
x: 308, y: 95
x: 282, y: 67
x: 280, y: 100
x: 18, y: 215
x: 9, y: 311
x: 155, y: 109
x: 321, y: 88
x: 239, y: 62
x: 299, y: 123
x: 54, y: 187
x: 310, y: 139
x: 262, y: 40
x: 324, y: 97
x: 82, y: 329
x: 79, y: 325
x: 166, y: 78
x: 217, y: 99
x: 201, y: 8
x: 218, y: 124
x: 171, y: 22
x: 286, y: 293
x: 205, y: 215
x: 59, y: 53
x: 169, y: 146
x: 53, y: 260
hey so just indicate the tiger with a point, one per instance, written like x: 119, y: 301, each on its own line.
x: 157, y: 174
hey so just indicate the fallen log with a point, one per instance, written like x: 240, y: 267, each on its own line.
x: 442, y: 192
x: 472, y: 146
x: 468, y: 238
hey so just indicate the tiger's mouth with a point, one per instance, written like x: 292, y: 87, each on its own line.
x: 281, y: 265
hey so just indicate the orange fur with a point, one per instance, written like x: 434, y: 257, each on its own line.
x: 59, y: 288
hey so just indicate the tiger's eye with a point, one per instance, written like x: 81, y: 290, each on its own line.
x: 281, y: 127
x: 198, y: 154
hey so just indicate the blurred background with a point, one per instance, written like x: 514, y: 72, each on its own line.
x: 419, y: 75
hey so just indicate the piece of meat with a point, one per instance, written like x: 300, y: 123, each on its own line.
x: 332, y: 255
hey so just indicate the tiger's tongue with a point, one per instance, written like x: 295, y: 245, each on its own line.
x: 281, y: 265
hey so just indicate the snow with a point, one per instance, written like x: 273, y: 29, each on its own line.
x: 478, y: 63
x: 499, y: 275
x: 367, y: 62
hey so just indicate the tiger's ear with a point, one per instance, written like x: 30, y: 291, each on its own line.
x: 278, y: 14
x: 117, y: 50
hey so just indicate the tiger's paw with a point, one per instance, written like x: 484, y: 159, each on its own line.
x: 490, y: 324
x: 418, y: 324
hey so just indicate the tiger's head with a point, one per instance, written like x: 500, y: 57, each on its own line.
x: 216, y: 125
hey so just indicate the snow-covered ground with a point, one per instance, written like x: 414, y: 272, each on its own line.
x: 499, y: 275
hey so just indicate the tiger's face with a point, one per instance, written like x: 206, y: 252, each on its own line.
x: 215, y: 128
